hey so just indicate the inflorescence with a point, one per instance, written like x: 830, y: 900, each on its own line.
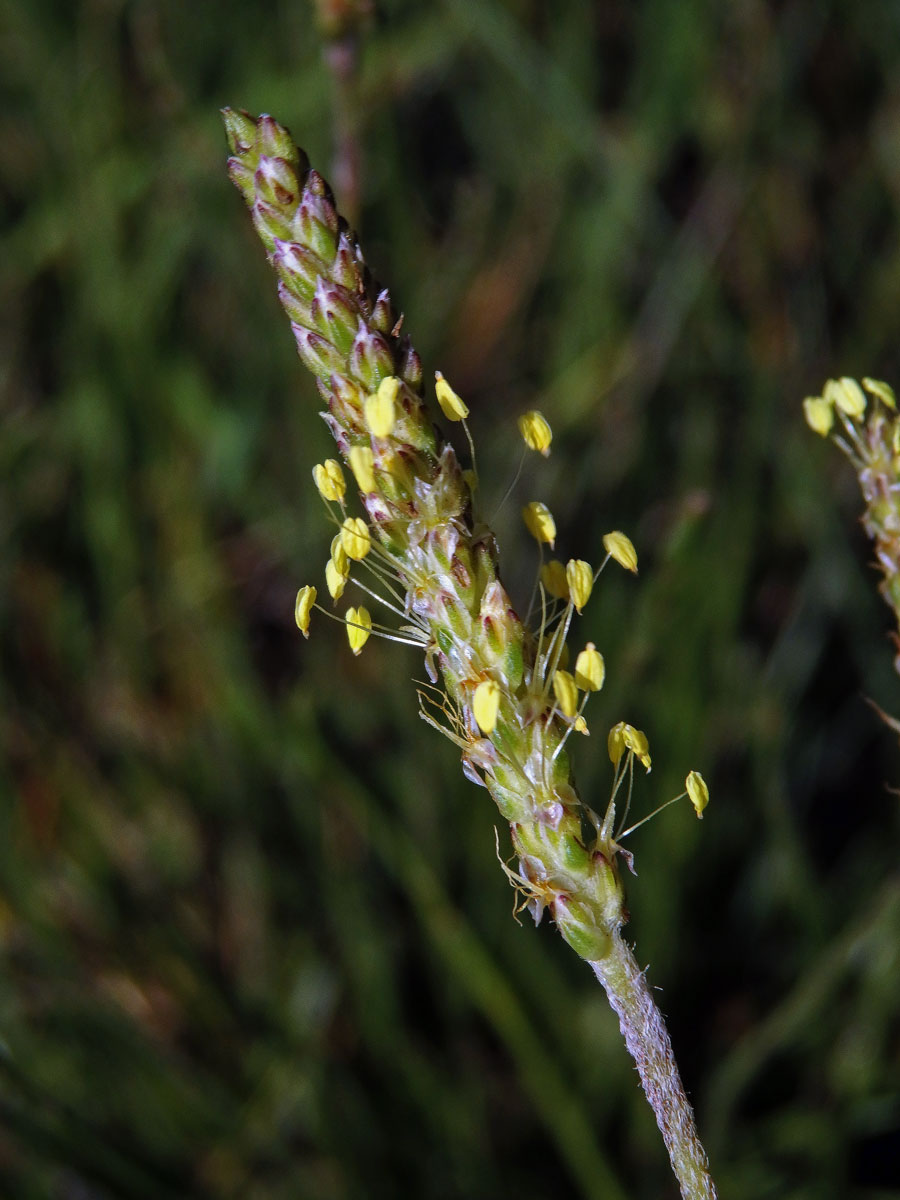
x: 504, y: 692
x: 863, y: 421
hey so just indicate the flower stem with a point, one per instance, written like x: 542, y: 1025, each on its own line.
x: 648, y: 1042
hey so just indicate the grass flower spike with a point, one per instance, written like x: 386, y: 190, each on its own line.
x: 499, y: 690
x: 868, y: 431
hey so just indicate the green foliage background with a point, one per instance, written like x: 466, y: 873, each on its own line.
x: 255, y: 941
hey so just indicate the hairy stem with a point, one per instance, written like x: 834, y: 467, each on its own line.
x: 648, y: 1042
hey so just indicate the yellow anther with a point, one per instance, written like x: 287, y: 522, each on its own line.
x: 339, y: 554
x: 884, y: 392
x: 580, y: 726
x: 380, y: 410
x: 819, y: 414
x: 636, y: 741
x: 580, y: 578
x: 539, y: 522
x: 553, y: 577
x: 329, y: 479
x: 847, y: 395
x: 615, y: 743
x: 536, y: 433
x: 389, y: 388
x: 486, y: 705
x: 698, y: 792
x: 620, y: 547
x: 624, y: 737
x: 590, y: 669
x: 452, y: 406
x: 355, y: 538
x: 306, y: 598
x: 359, y: 626
x: 362, y: 464
x: 566, y: 693
x: 335, y: 580
x: 854, y: 397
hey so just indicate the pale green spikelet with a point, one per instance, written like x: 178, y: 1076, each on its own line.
x: 864, y: 422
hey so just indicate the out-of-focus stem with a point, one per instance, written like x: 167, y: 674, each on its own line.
x: 342, y: 23
x: 342, y: 59
x: 649, y: 1044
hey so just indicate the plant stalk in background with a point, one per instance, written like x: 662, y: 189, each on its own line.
x: 341, y: 24
x: 500, y: 690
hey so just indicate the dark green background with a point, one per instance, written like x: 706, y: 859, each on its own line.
x: 255, y: 940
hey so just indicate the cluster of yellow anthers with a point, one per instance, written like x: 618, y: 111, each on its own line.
x: 864, y: 423
x: 569, y: 583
